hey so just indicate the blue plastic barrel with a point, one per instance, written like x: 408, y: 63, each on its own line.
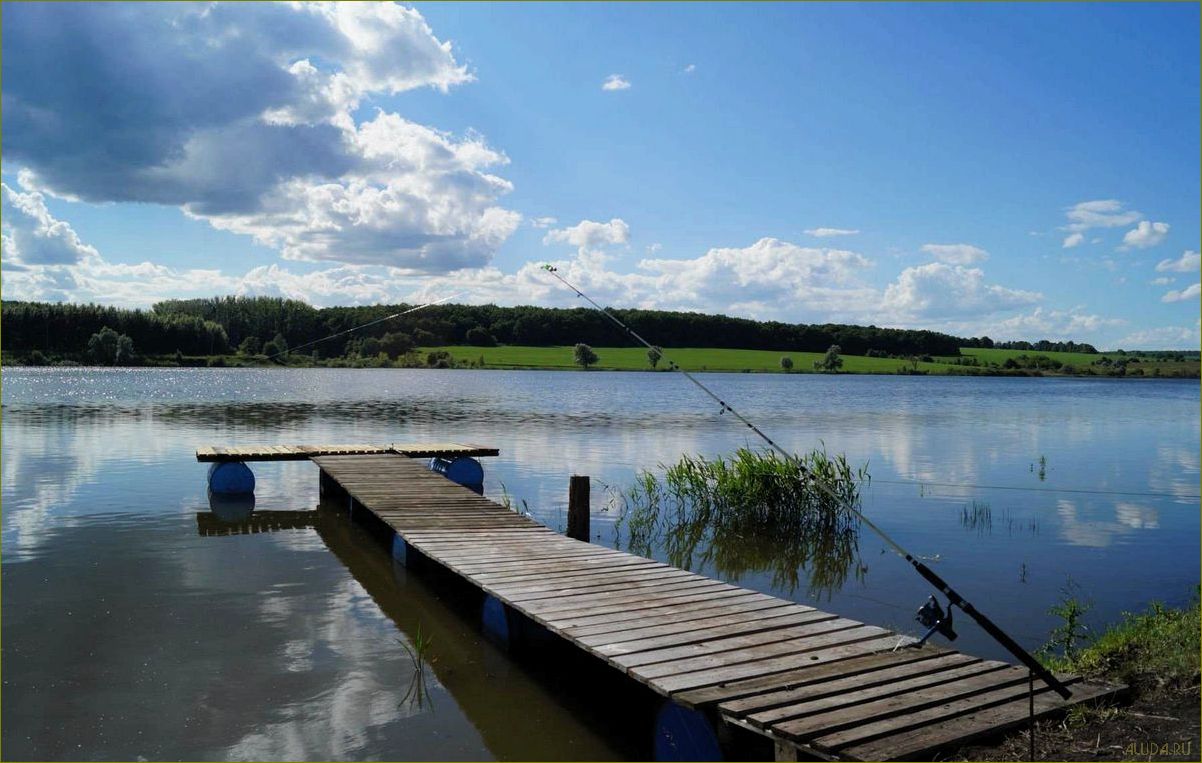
x: 495, y: 619
x: 231, y: 478
x: 462, y: 470
x: 400, y: 549
x: 683, y: 734
x: 232, y: 507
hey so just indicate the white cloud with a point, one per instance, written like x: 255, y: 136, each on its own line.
x: 615, y: 82
x: 1162, y: 281
x: 830, y: 232
x: 690, y: 68
x: 1163, y: 338
x: 1190, y: 292
x: 769, y: 279
x: 1105, y: 213
x: 956, y: 254
x: 1073, y: 239
x: 939, y: 291
x: 1043, y: 323
x: 1188, y: 262
x: 1146, y: 234
x: 542, y: 222
x: 591, y: 238
x: 243, y: 116
x: 33, y: 235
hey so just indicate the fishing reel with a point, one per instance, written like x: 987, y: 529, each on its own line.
x: 932, y: 617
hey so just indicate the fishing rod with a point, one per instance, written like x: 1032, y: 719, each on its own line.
x: 936, y: 621
x: 365, y: 325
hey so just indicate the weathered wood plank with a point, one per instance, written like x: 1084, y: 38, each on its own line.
x: 719, y: 627
x: 760, y: 646
x: 919, y: 743
x: 847, y: 724
x: 800, y: 675
x: 664, y: 623
x: 304, y: 452
x: 826, y: 698
x: 835, y: 683
x: 928, y: 715
x: 718, y: 675
x: 806, y: 674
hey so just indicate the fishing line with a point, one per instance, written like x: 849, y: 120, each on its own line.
x: 954, y: 598
x: 365, y: 325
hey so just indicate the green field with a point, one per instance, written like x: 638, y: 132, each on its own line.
x: 689, y: 358
x: 990, y: 361
x: 708, y: 359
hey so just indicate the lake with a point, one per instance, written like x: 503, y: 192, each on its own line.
x: 127, y: 634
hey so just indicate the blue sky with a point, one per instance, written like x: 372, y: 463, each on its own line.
x: 1022, y: 171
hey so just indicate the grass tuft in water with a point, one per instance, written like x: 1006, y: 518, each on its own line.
x: 754, y: 511
x: 979, y: 518
x: 418, y: 650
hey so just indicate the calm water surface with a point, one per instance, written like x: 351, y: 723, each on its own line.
x: 127, y: 634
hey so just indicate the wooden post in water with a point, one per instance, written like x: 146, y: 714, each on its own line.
x: 578, y: 502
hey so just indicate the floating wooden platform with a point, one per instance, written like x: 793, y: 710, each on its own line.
x: 305, y: 452
x: 815, y: 683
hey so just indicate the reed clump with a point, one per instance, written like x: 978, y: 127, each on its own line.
x: 755, y: 511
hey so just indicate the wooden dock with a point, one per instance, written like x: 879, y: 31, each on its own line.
x: 814, y: 683
x: 212, y: 453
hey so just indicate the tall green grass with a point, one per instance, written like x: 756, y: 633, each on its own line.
x: 755, y: 511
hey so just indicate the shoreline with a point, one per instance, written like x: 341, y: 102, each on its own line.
x: 970, y: 362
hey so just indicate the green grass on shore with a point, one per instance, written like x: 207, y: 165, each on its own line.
x: 709, y: 359
x: 689, y: 358
x: 1158, y: 648
x: 702, y: 359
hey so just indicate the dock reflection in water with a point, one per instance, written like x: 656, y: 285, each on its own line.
x: 555, y: 705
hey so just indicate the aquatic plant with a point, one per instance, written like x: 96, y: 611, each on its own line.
x: 980, y: 518
x: 753, y: 511
x: 418, y: 650
x: 506, y: 501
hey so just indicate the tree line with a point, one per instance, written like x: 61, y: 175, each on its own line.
x: 220, y: 325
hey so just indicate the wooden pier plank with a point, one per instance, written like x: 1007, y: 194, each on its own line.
x: 210, y: 453
x: 696, y: 634
x: 921, y: 742
x: 804, y: 675
x: 831, y: 685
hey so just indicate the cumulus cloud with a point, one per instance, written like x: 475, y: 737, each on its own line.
x: 1161, y: 281
x: 1052, y: 324
x: 770, y: 279
x: 1105, y: 213
x: 1102, y: 213
x: 939, y: 290
x: 244, y: 117
x: 1146, y: 234
x: 615, y: 82
x: 591, y: 238
x: 690, y: 68
x: 1188, y: 262
x: 543, y: 222
x: 1190, y: 292
x: 33, y: 236
x: 1163, y: 338
x: 830, y: 232
x: 956, y: 254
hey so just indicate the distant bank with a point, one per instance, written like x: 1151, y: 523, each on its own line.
x: 971, y: 361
